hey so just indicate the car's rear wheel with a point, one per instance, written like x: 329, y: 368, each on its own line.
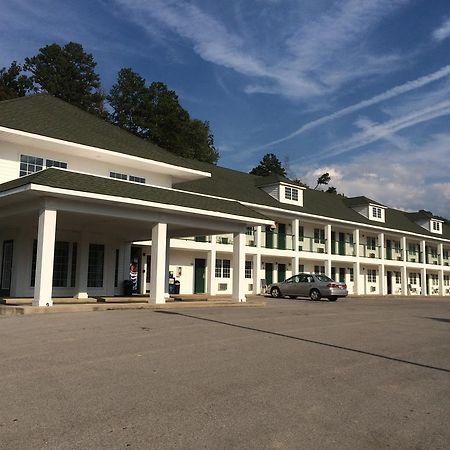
x: 332, y: 299
x: 315, y: 295
x: 275, y: 292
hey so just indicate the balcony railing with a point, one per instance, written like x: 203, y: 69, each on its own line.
x: 311, y: 244
x: 197, y: 238
x: 224, y: 239
x: 393, y: 253
x: 433, y: 258
x: 278, y: 241
x: 344, y: 248
x: 369, y: 251
x: 413, y: 256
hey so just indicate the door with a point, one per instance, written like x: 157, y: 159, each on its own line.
x: 7, y: 260
x: 388, y: 249
x: 342, y: 271
x: 281, y: 272
x: 199, y: 276
x: 269, y: 238
x: 282, y: 238
x: 389, y: 282
x: 342, y: 243
x: 269, y: 273
x: 333, y: 242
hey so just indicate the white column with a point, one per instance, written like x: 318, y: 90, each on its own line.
x: 441, y: 282
x: 257, y: 274
x: 404, y: 281
x: 441, y: 254
x: 295, y: 236
x: 404, y: 254
x: 294, y: 264
x: 423, y: 249
x: 166, y: 280
x: 258, y: 237
x: 383, y: 287
x: 382, y: 253
x: 328, y: 237
x: 126, y: 259
x: 44, y: 258
x: 211, y: 264
x: 158, y: 269
x: 356, y: 241
x: 328, y: 267
x: 238, y: 294
x: 143, y: 274
x: 423, y: 275
x: 82, y: 268
x: 357, y: 285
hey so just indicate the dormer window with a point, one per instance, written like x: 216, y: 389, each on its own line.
x: 436, y: 226
x: 291, y: 193
x: 376, y: 212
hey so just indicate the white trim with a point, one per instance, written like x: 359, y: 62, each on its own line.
x: 167, y: 168
x: 129, y: 201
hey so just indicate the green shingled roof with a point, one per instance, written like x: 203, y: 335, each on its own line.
x: 63, y: 179
x: 49, y: 116
x: 242, y: 186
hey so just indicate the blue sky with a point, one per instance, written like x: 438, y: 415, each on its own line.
x: 360, y: 89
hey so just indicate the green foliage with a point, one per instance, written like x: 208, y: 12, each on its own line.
x: 67, y: 73
x: 269, y: 164
x: 155, y: 113
x: 323, y: 179
x: 13, y: 84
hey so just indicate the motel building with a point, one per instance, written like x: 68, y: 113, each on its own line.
x: 87, y: 208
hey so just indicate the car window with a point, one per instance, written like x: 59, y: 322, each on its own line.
x: 303, y: 278
x: 323, y: 278
x: 310, y: 279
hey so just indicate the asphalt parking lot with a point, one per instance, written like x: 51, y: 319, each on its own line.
x: 294, y: 374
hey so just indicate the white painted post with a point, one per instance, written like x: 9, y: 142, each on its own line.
x: 166, y: 279
x: 158, y: 269
x: 329, y: 243
x: 328, y: 268
x: 211, y: 264
x: 356, y: 281
x: 44, y: 258
x: 82, y: 268
x: 126, y: 253
x: 239, y: 267
x: 424, y: 281
x: 257, y: 274
x: 404, y: 281
x: 382, y: 253
x: 382, y: 279
x: 404, y: 254
x: 441, y: 282
x: 356, y: 241
x: 258, y: 237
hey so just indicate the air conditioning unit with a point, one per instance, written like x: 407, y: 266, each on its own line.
x: 250, y: 287
x: 412, y: 260
x: 371, y: 255
x: 399, y: 258
x: 373, y: 288
x: 223, y: 286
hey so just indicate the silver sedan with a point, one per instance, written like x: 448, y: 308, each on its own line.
x: 309, y: 285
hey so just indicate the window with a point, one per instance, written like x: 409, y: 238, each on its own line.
x: 371, y: 243
x: 95, y: 265
x: 248, y: 269
x: 446, y: 280
x: 250, y: 231
x: 320, y: 270
x: 60, y: 264
x: 436, y: 225
x: 30, y: 164
x: 352, y: 277
x: 73, y: 270
x: 53, y: 163
x: 291, y: 194
x: 413, y: 278
x: 301, y: 267
x: 222, y: 268
x: 116, y: 269
x: 371, y: 275
x: 376, y: 212
x: 434, y: 279
x: 319, y: 236
x: 118, y: 176
x: 137, y: 179
x: 398, y: 278
x: 301, y: 233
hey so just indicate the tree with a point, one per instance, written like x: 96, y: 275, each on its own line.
x: 331, y: 190
x: 269, y: 164
x: 13, y: 84
x: 154, y: 113
x: 67, y: 73
x: 323, y: 180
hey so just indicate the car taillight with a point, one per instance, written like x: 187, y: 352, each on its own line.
x: 332, y: 285
x: 344, y: 286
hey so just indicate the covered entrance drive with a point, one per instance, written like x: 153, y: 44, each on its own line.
x: 69, y: 242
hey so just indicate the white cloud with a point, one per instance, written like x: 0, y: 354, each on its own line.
x: 411, y: 179
x: 301, y: 60
x: 443, y: 32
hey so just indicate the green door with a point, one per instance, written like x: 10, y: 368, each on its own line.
x: 199, y: 276
x: 342, y: 243
x: 269, y: 238
x: 6, y: 267
x: 282, y: 236
x: 269, y: 273
x: 281, y: 272
x: 333, y: 242
x: 388, y: 249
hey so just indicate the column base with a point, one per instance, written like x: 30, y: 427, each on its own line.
x: 239, y: 300
x: 81, y: 296
x: 157, y: 301
x: 42, y: 302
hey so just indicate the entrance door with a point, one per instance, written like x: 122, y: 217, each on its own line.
x: 7, y: 259
x: 281, y: 236
x: 281, y: 272
x: 388, y: 249
x: 269, y: 237
x: 342, y: 272
x: 199, y: 276
x: 389, y: 282
x: 269, y: 273
x: 342, y: 243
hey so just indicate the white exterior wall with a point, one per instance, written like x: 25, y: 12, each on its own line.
x: 10, y: 162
